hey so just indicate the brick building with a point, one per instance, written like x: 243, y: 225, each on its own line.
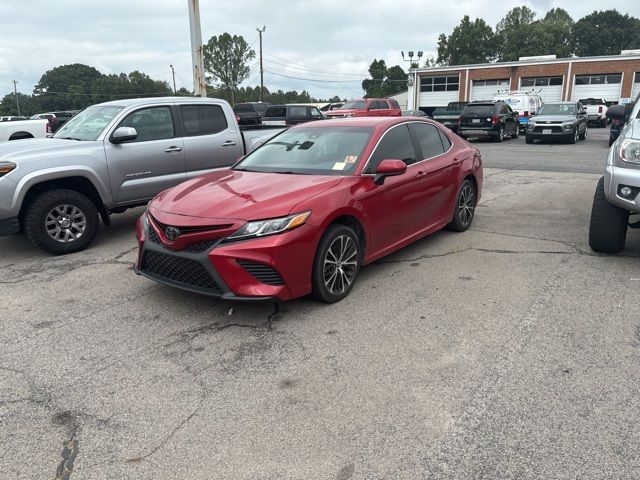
x: 612, y: 77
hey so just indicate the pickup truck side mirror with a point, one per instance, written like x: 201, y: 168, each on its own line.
x: 123, y: 134
x: 616, y: 112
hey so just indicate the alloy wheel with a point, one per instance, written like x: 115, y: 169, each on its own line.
x: 340, y: 264
x: 466, y: 205
x: 65, y: 223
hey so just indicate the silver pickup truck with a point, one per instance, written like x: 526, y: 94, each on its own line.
x: 617, y: 195
x: 111, y: 157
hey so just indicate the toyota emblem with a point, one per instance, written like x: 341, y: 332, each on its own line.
x: 172, y: 233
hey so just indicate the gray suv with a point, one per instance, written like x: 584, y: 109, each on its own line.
x: 564, y: 120
x: 618, y: 192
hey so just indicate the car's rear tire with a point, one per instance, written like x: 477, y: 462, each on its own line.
x: 516, y: 132
x: 500, y: 136
x: 465, y: 207
x: 603, y: 123
x: 528, y: 139
x: 61, y: 221
x: 608, y: 226
x: 337, y: 264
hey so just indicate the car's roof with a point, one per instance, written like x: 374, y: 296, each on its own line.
x: 360, y: 122
x: 125, y: 102
x: 560, y: 103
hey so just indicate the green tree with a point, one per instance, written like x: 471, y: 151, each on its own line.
x: 557, y: 33
x: 384, y: 81
x: 517, y: 36
x: 606, y: 33
x: 29, y: 105
x: 470, y: 42
x: 56, y: 82
x: 225, y: 60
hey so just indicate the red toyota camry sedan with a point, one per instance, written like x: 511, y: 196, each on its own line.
x: 305, y: 211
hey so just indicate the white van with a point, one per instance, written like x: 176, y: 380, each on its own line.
x: 525, y: 104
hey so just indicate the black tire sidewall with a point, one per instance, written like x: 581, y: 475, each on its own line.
x: 38, y: 209
x: 455, y: 224
x: 320, y: 291
x: 608, y: 224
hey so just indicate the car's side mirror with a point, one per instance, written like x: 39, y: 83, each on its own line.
x: 124, y: 134
x: 389, y: 168
x: 616, y: 112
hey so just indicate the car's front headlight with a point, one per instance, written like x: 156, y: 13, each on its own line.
x: 6, y: 167
x: 630, y: 151
x: 263, y: 228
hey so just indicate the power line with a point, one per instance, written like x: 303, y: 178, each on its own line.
x: 335, y: 81
x: 311, y: 69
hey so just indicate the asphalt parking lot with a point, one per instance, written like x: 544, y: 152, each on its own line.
x: 510, y: 351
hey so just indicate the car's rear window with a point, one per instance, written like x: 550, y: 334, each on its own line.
x: 243, y: 108
x: 276, y: 112
x: 480, y: 109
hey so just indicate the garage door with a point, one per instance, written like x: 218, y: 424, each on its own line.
x: 549, y: 88
x: 487, y: 89
x: 439, y: 91
x: 606, y: 85
x: 636, y: 86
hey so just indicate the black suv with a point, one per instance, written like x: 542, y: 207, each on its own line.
x: 291, y: 114
x: 250, y: 113
x: 488, y: 120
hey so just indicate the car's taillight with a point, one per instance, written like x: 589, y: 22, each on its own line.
x: 600, y: 109
x: 49, y: 129
x: 237, y: 118
x: 495, y: 120
x: 526, y: 114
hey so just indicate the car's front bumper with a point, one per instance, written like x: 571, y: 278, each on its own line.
x: 477, y: 132
x: 272, y: 268
x: 615, y: 178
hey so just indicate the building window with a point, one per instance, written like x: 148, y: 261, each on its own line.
x: 637, y: 79
x: 605, y: 78
x: 540, y: 81
x: 440, y: 84
x: 482, y: 83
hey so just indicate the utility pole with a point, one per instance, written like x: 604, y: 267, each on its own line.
x: 197, y: 59
x: 260, y: 32
x: 15, y: 92
x: 173, y: 73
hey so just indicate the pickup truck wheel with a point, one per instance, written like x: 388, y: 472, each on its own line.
x: 61, y: 221
x: 608, y: 227
x: 528, y: 139
x: 337, y: 264
x: 465, y: 207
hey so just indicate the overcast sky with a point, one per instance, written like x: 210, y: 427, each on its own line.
x: 328, y: 43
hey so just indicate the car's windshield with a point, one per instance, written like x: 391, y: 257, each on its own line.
x: 89, y: 123
x: 355, y: 105
x: 310, y: 150
x: 557, y: 109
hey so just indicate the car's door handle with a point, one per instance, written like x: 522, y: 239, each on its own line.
x: 229, y: 143
x: 456, y: 159
x: 173, y: 149
x: 421, y: 173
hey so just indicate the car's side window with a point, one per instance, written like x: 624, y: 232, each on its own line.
x: 297, y: 113
x: 382, y: 105
x: 446, y: 142
x: 428, y: 139
x: 153, y: 123
x: 203, y: 119
x: 396, y: 144
x: 315, y: 113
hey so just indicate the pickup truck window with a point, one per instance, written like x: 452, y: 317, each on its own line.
x: 315, y: 113
x: 88, y: 124
x: 298, y: 112
x: 203, y: 119
x: 154, y: 123
x: 276, y: 112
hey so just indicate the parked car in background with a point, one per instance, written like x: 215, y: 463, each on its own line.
x: 290, y: 115
x: 11, y: 118
x: 493, y: 120
x: 525, y: 104
x: 449, y: 115
x: 370, y: 107
x: 331, y: 106
x: 23, y: 129
x: 250, y: 113
x: 564, y: 120
x: 415, y: 113
x: 617, y: 124
x: 304, y: 212
x: 111, y: 157
x: 617, y: 194
x: 596, y: 110
x: 56, y: 119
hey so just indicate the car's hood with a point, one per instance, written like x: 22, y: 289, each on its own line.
x: 19, y: 151
x: 231, y: 194
x: 340, y: 113
x: 552, y: 118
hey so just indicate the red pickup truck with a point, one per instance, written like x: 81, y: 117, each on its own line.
x: 369, y: 107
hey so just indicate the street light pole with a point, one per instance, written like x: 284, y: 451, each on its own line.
x: 173, y: 74
x: 15, y: 92
x: 197, y: 59
x: 260, y: 32
x: 415, y: 76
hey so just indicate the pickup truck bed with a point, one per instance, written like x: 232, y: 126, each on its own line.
x: 22, y: 129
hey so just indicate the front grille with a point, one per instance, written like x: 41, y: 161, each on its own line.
x: 153, y: 236
x: 554, y: 129
x: 200, y: 247
x: 262, y: 272
x: 179, y: 270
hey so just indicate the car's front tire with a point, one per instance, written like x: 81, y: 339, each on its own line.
x: 528, y: 139
x: 337, y: 264
x: 608, y: 226
x: 465, y: 207
x: 61, y: 221
x: 574, y: 136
